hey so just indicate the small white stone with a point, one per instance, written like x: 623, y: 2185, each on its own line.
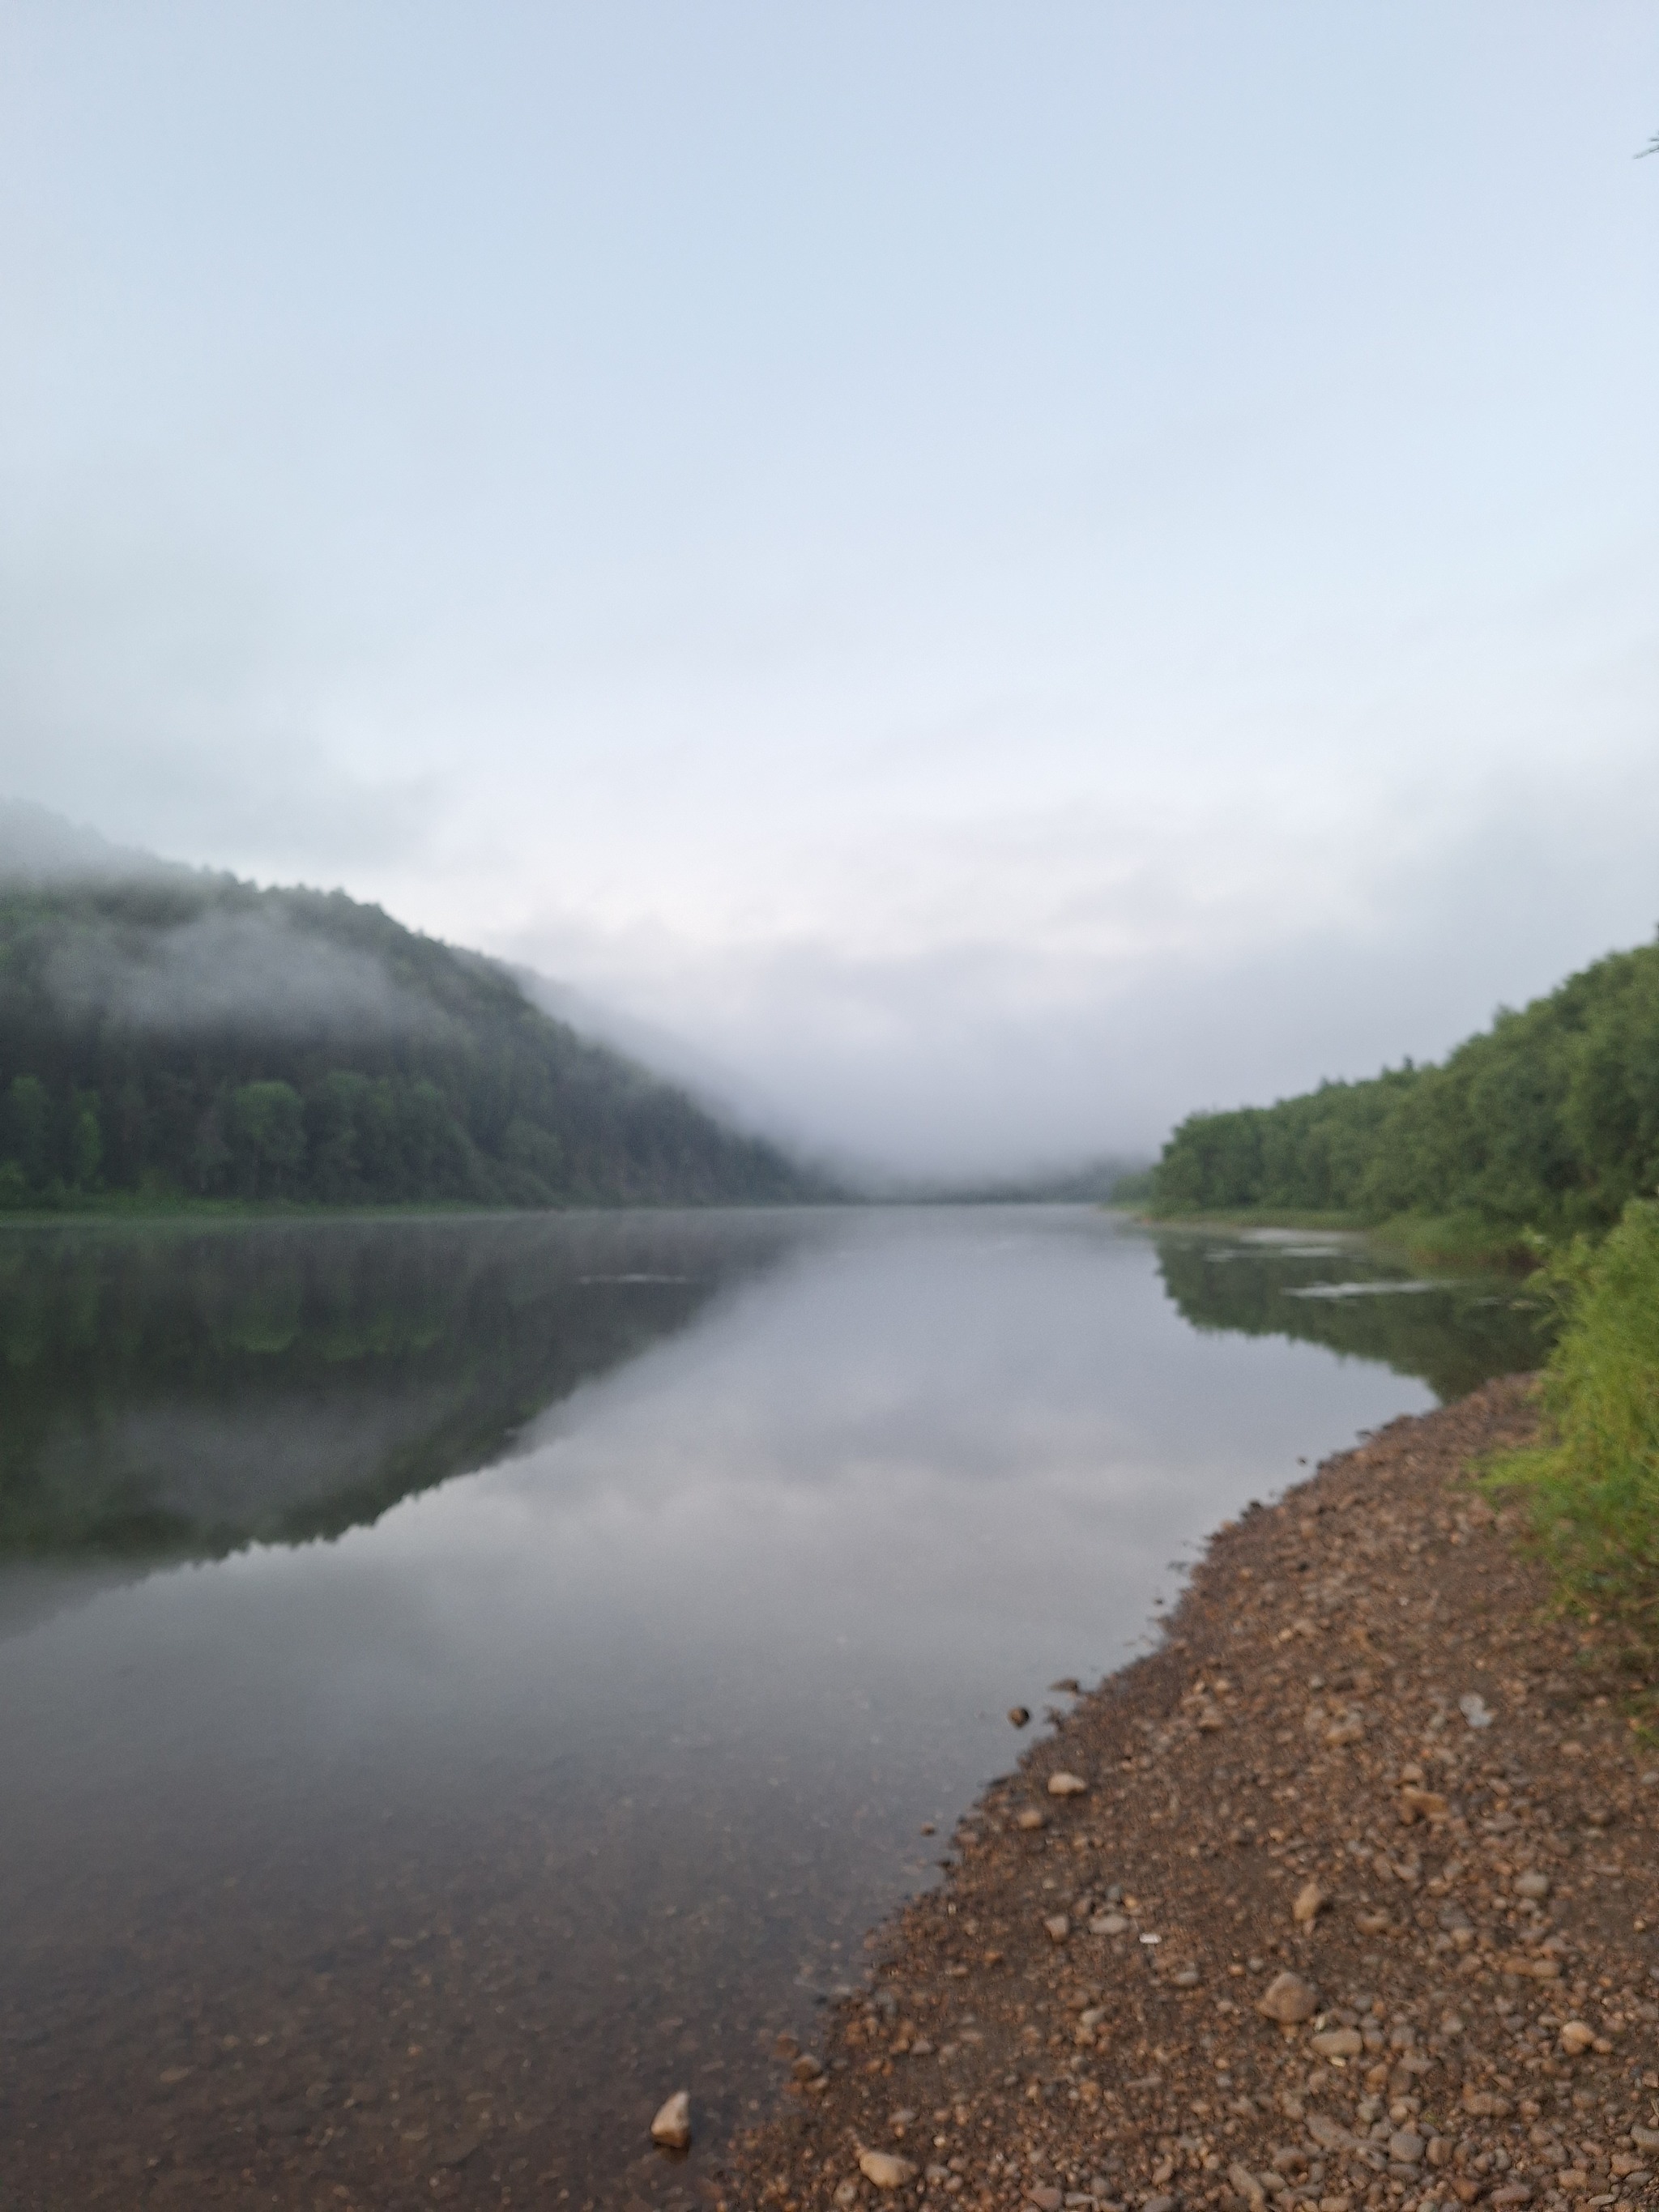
x: 885, y: 2168
x: 1066, y: 1786
x: 672, y: 2126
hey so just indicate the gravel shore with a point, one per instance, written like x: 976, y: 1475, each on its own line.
x: 1357, y: 1903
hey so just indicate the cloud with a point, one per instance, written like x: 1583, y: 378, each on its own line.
x: 220, y: 968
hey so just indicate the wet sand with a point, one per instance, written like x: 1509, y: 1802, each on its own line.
x: 1359, y: 1903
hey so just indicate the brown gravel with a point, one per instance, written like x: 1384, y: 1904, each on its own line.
x: 1075, y: 2017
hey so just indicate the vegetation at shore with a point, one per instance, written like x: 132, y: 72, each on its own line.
x: 169, y: 1037
x: 1591, y: 1481
x: 1546, y: 1122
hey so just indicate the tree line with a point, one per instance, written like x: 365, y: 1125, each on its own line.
x: 153, y: 1041
x: 1548, y: 1121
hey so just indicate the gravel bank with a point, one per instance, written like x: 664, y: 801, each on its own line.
x: 1365, y: 1783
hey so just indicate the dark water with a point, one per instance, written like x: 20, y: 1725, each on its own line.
x: 461, y: 1680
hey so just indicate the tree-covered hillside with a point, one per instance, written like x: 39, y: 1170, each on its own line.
x: 1548, y: 1119
x: 178, y: 1034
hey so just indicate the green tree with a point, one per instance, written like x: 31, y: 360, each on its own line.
x: 86, y: 1145
x: 30, y: 1118
x: 268, y: 1126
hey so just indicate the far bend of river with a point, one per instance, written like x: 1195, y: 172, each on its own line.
x: 461, y: 1679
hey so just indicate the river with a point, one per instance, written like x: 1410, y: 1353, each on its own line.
x: 463, y: 1678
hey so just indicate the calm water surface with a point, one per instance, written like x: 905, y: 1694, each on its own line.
x: 461, y: 1680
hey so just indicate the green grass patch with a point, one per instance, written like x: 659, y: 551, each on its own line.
x: 1591, y: 1482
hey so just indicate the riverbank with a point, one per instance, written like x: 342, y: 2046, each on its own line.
x: 1357, y: 1902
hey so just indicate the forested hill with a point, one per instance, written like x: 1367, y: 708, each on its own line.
x: 1548, y: 1119
x: 185, y: 1034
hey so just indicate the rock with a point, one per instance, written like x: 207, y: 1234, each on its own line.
x: 1417, y: 1804
x: 1058, y: 1927
x: 1107, y: 1923
x: 1576, y: 2037
x: 1325, y: 2131
x: 1068, y: 1685
x: 1406, y: 2147
x: 1210, y: 1718
x: 1046, y: 2199
x: 1245, y: 2183
x: 1186, y: 1978
x: 847, y: 2194
x: 1287, y: 1999
x: 1475, y: 1709
x: 1019, y: 1715
x: 1645, y: 2138
x: 886, y: 2168
x: 672, y: 2126
x: 1531, y: 1884
x: 921, y: 2048
x: 1028, y: 1816
x: 806, y: 2068
x: 1339, y: 2043
x: 1512, y: 2192
x: 1310, y: 1901
x: 1066, y: 1786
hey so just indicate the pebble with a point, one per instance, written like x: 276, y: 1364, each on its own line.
x: 1287, y: 1999
x: 1475, y: 1709
x: 1310, y: 1901
x: 806, y: 2068
x: 1107, y: 1923
x: 1066, y: 1786
x: 1576, y: 2037
x: 886, y: 2168
x: 1532, y: 1885
x: 1419, y: 1804
x: 1246, y: 2184
x: 1070, y: 1686
x: 1046, y: 2199
x: 1019, y: 1715
x: 1339, y: 2043
x: 1406, y: 2147
x: 1029, y: 1817
x: 1058, y: 1926
x: 672, y: 2126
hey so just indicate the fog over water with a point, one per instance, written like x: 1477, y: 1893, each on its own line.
x: 990, y: 580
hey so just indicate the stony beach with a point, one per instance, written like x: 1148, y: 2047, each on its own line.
x: 1346, y: 1895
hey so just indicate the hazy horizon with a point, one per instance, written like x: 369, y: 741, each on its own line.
x: 987, y: 580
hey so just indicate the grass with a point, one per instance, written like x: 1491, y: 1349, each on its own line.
x: 1590, y: 1484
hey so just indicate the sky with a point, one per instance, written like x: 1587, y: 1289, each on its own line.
x: 990, y: 574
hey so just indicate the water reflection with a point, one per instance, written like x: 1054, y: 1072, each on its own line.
x: 184, y: 1392
x: 1453, y: 1333
x: 424, y: 1862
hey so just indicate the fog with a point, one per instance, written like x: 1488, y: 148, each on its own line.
x: 967, y: 583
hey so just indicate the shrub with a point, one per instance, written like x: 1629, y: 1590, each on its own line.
x: 1592, y: 1481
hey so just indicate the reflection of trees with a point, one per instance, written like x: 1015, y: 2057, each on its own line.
x: 1453, y: 1338
x: 179, y: 1393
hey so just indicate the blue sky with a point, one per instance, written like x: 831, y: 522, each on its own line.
x: 1001, y: 573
